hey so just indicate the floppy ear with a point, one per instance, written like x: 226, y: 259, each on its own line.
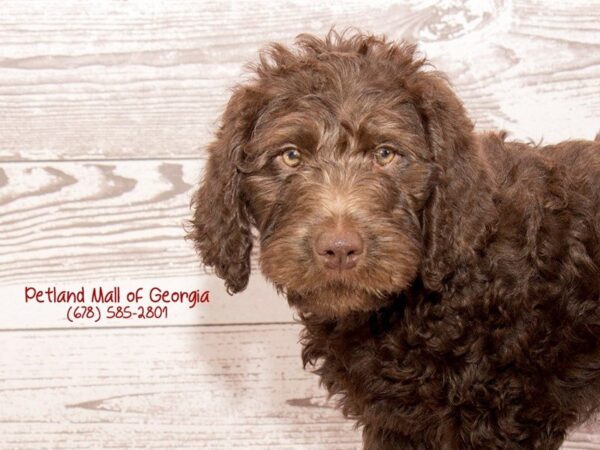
x: 457, y: 215
x: 220, y: 228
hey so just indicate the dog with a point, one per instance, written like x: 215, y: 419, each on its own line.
x: 448, y: 281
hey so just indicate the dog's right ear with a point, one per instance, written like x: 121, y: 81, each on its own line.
x: 456, y: 214
x: 220, y: 227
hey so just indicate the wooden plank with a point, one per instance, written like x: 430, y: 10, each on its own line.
x: 128, y: 79
x: 224, y: 387
x: 190, y: 387
x: 575, y: 21
x: 94, y: 220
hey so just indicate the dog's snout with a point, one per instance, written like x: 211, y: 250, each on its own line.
x: 339, y: 249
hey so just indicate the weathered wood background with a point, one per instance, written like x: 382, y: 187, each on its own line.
x: 104, y: 109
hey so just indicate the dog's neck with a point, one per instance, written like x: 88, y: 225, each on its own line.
x: 377, y: 320
x: 336, y: 339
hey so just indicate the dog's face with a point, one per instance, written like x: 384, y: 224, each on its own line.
x: 329, y: 156
x: 342, y: 169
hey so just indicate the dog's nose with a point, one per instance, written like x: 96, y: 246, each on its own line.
x: 339, y: 249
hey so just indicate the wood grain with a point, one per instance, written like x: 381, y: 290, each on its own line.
x: 130, y: 80
x: 197, y: 387
x: 95, y: 220
x: 225, y: 387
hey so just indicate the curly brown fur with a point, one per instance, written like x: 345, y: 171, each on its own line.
x: 471, y: 320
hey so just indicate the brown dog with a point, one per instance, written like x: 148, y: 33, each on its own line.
x: 448, y: 281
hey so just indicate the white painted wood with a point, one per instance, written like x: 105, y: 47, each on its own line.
x: 196, y: 387
x: 95, y: 220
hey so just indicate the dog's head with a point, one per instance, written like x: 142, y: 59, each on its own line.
x: 332, y: 152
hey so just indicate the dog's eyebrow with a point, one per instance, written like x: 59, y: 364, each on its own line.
x: 383, y: 126
x: 403, y: 116
x: 285, y: 105
x: 298, y: 128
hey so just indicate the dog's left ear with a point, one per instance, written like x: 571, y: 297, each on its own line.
x: 454, y: 217
x: 448, y: 129
x: 220, y: 228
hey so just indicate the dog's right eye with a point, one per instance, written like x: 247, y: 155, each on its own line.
x: 384, y: 156
x: 291, y: 157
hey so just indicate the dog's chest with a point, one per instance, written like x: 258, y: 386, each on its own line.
x: 414, y: 368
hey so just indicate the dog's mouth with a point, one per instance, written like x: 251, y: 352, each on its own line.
x: 336, y: 299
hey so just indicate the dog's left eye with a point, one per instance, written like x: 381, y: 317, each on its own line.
x: 291, y: 157
x: 384, y: 156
